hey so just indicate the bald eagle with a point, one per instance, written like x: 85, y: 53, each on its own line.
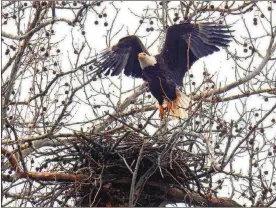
x: 185, y: 43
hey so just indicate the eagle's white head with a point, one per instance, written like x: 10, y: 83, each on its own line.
x: 146, y: 60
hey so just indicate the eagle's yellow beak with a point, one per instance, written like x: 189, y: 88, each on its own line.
x: 141, y: 56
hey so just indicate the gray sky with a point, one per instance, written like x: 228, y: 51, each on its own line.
x: 217, y: 64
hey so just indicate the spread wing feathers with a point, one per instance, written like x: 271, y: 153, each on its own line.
x: 185, y: 43
x: 205, y: 39
x: 123, y: 55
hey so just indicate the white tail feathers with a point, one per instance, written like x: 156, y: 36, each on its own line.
x: 180, y: 105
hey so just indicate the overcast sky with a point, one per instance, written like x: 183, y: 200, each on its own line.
x: 217, y: 64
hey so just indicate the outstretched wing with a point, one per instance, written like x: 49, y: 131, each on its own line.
x: 123, y: 55
x: 186, y: 43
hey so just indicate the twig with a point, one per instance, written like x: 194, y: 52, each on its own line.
x: 134, y: 176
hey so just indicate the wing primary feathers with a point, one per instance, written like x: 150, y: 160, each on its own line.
x: 198, y: 47
x: 122, y: 63
x: 107, y: 59
x: 120, y: 57
x: 103, y: 56
x: 207, y: 37
x: 111, y: 61
x: 194, y: 45
x: 117, y: 66
x: 107, y: 64
x: 204, y: 39
x: 214, y: 26
x: 107, y: 72
x: 213, y: 40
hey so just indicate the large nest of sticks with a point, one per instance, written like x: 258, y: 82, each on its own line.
x: 135, y: 169
x: 93, y: 169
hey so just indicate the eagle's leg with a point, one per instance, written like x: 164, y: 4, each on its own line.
x: 161, y: 111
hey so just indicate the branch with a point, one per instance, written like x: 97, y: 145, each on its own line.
x: 40, y: 176
x: 248, y: 135
x: 31, y: 32
x: 238, y: 96
x: 180, y: 195
x: 121, y: 107
x: 242, y: 80
x: 133, y: 181
x: 232, y: 11
x: 47, y: 176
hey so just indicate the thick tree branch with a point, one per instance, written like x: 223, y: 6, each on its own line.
x: 40, y: 176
